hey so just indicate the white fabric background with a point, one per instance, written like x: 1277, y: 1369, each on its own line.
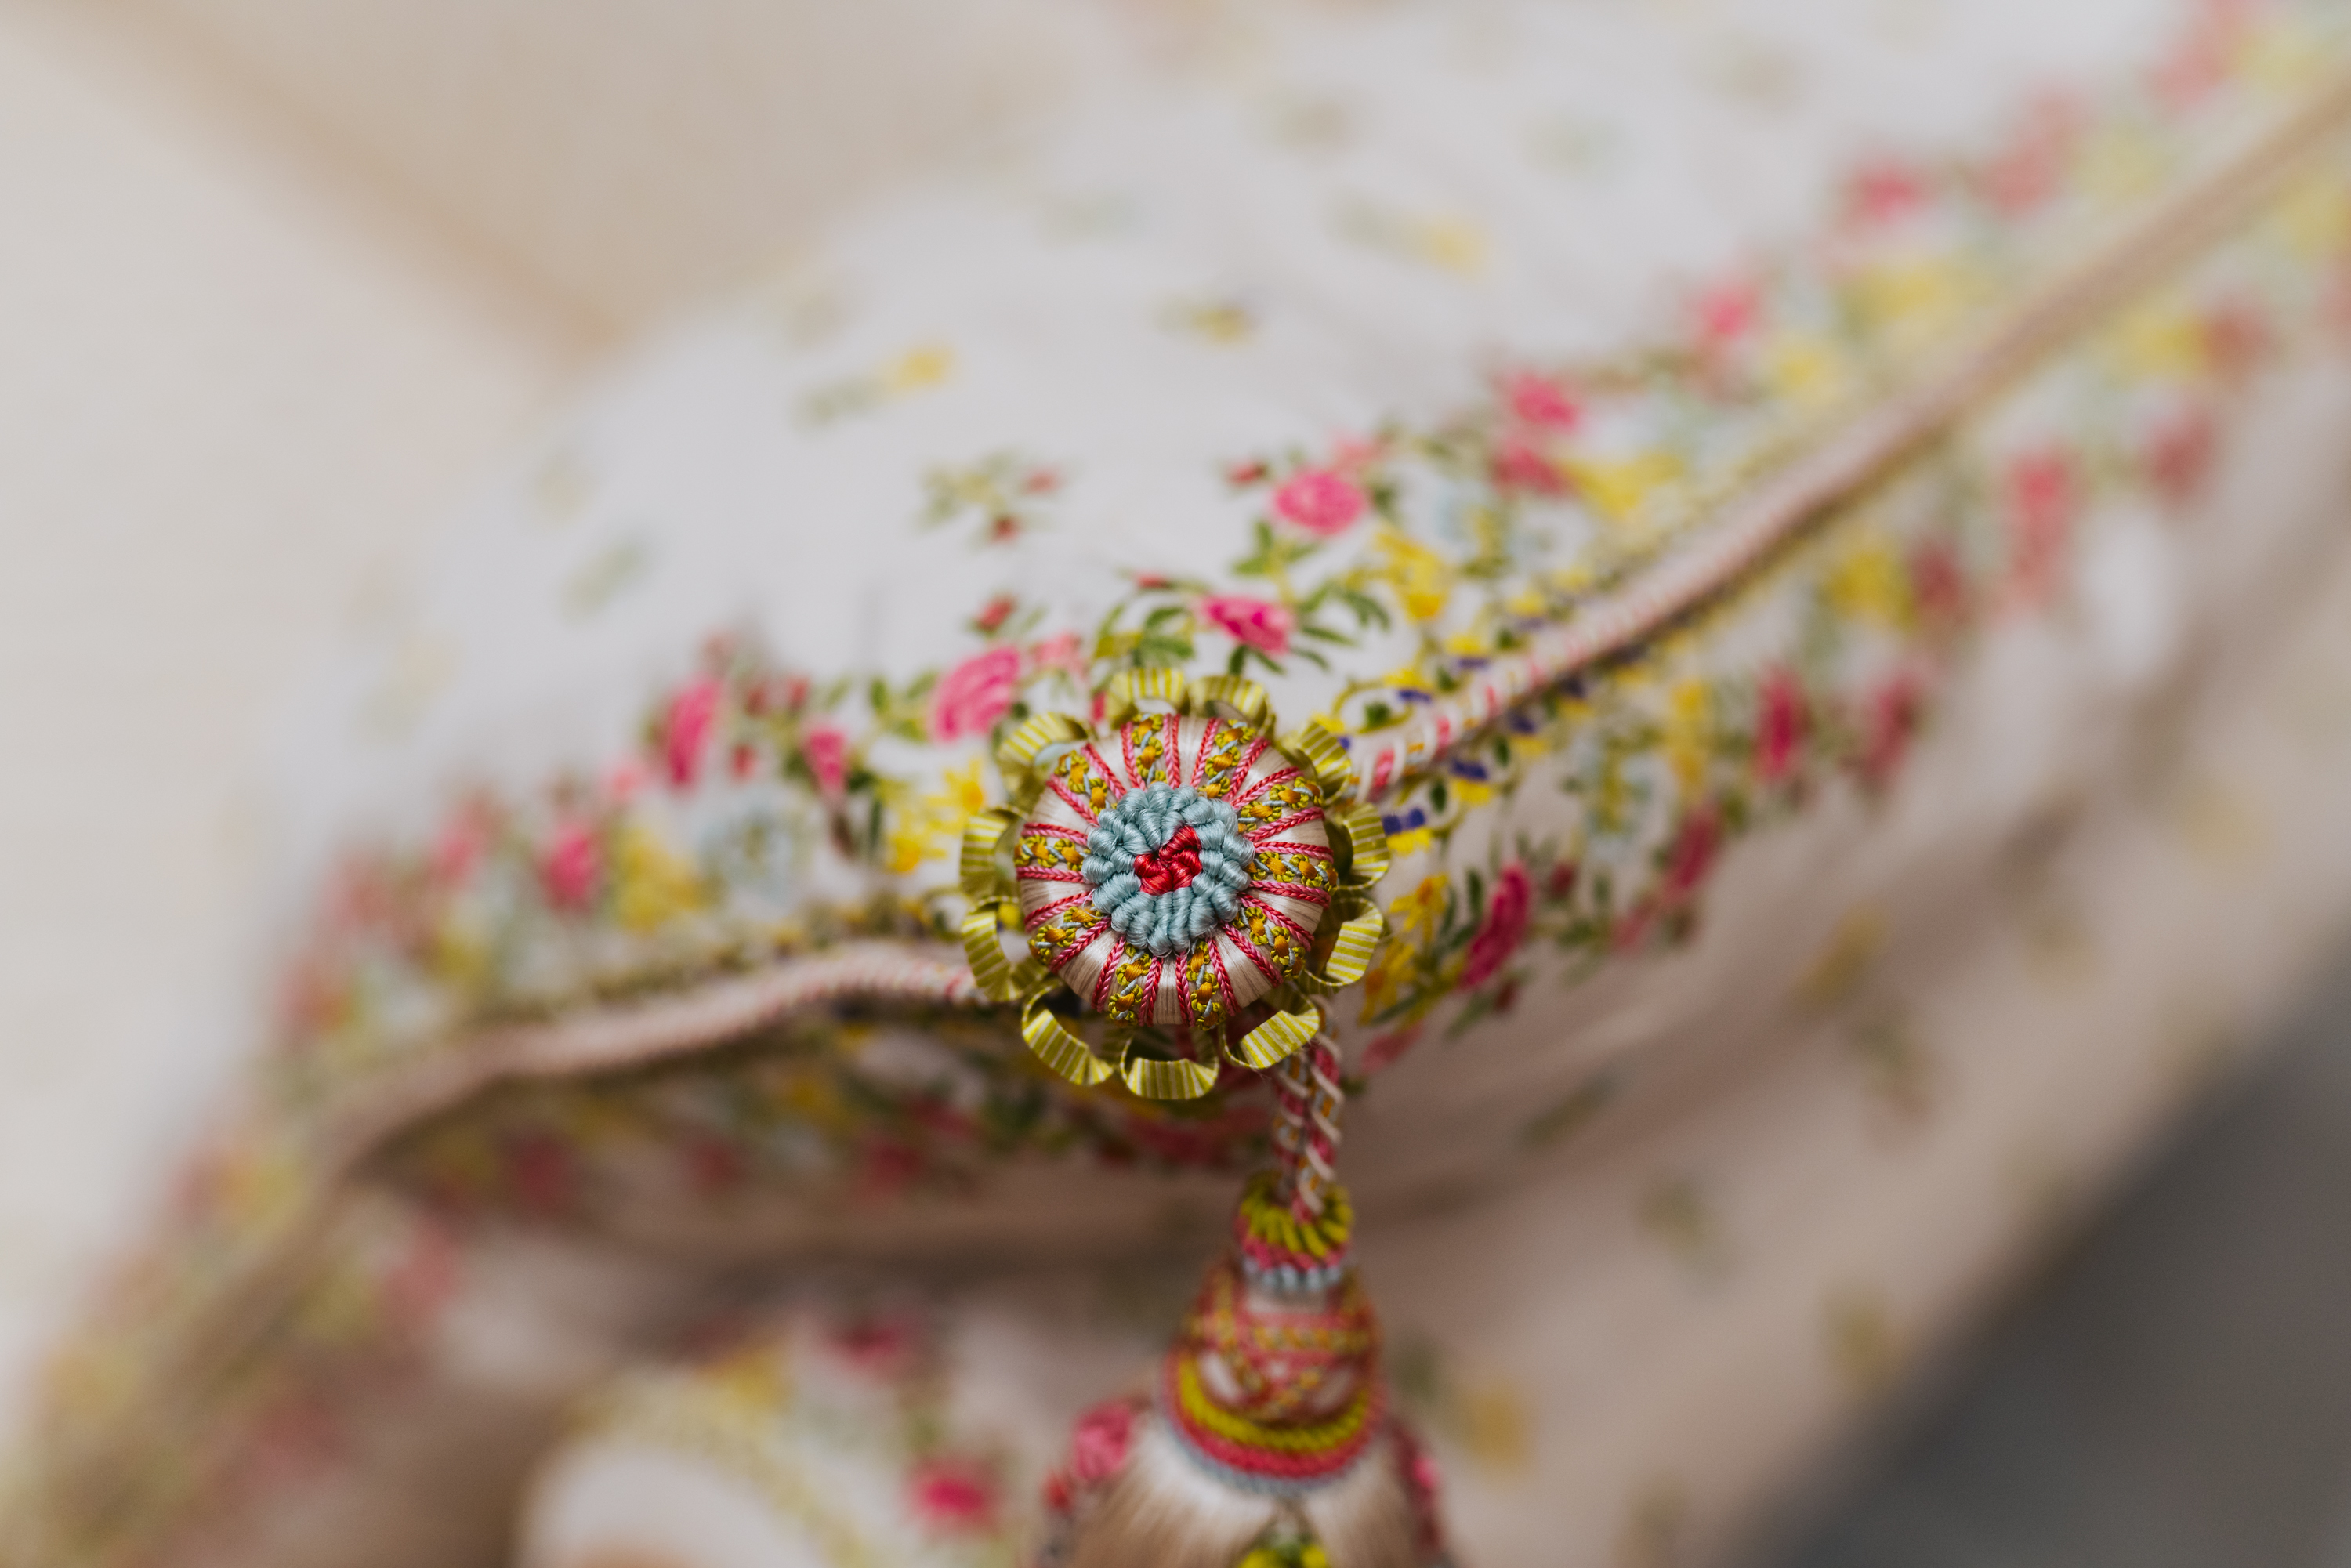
x: 276, y: 281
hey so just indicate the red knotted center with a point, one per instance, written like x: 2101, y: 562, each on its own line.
x: 1173, y: 864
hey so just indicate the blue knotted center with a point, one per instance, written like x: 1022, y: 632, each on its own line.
x: 1168, y: 866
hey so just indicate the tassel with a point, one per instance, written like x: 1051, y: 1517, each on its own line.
x: 1267, y: 1440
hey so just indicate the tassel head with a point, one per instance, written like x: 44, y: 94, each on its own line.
x: 1266, y: 1440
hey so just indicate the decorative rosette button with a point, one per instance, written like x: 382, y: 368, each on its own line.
x: 1178, y: 871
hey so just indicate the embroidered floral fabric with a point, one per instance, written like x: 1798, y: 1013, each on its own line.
x: 887, y: 1432
x: 770, y: 811
x: 805, y: 785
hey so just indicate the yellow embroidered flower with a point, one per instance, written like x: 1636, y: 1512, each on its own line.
x: 1689, y: 731
x: 933, y: 826
x: 1410, y: 843
x: 587, y: 1120
x: 1623, y: 490
x: 1492, y: 1422
x: 1577, y: 576
x: 2314, y: 218
x: 2124, y: 163
x: 1804, y: 369
x: 253, y: 1181
x: 2162, y: 342
x: 924, y: 366
x: 965, y: 794
x: 909, y: 845
x: 1421, y: 577
x: 653, y: 883
x: 1867, y: 583
x: 460, y: 952
x: 339, y: 1307
x: 1411, y: 912
x: 1389, y: 979
x: 1454, y: 243
x: 2285, y: 56
x: 755, y: 1380
x: 1915, y: 300
x: 814, y: 1098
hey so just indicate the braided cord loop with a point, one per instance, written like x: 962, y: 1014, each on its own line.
x: 1308, y: 1101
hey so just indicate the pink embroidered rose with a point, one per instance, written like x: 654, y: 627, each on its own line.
x: 2044, y: 498
x: 2237, y: 338
x: 825, y: 749
x: 1519, y: 464
x: 1693, y: 853
x: 1065, y: 653
x: 888, y: 1166
x: 1888, y: 723
x: 1779, y: 725
x: 1727, y: 312
x: 2031, y: 170
x: 1423, y: 1486
x: 1098, y: 1444
x: 687, y: 729
x: 975, y: 693
x: 2179, y: 457
x: 1632, y: 927
x: 882, y: 1348
x: 715, y: 1167
x: 623, y: 782
x: 1257, y: 623
x: 1884, y: 193
x: 1390, y: 1049
x: 541, y: 1172
x: 994, y: 613
x: 1319, y: 501
x: 571, y: 866
x: 1938, y: 585
x: 462, y: 841
x: 425, y: 1277
x: 1098, y: 1447
x: 954, y: 1497
x: 1506, y: 913
x: 1541, y: 402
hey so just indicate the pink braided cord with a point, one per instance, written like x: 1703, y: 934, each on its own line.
x: 1307, y: 1101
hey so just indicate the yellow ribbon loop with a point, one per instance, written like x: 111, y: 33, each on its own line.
x: 980, y: 870
x: 1124, y: 695
x: 1155, y: 1079
x: 1313, y: 745
x: 1058, y: 1048
x: 1366, y: 836
x: 991, y: 971
x: 1244, y: 700
x: 1019, y: 753
x: 1351, y: 950
x: 1278, y: 1039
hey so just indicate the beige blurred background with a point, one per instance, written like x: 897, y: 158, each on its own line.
x: 275, y: 278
